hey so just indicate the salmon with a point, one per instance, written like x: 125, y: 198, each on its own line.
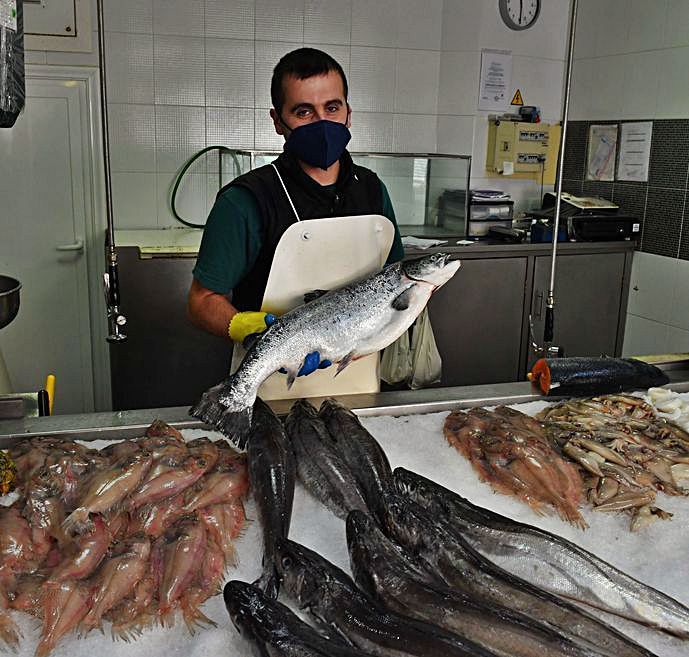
x: 344, y: 324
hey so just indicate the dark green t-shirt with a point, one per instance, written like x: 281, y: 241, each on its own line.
x: 232, y: 240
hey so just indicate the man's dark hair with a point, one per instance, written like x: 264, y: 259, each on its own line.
x: 302, y: 63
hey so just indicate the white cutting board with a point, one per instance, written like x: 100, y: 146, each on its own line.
x: 323, y: 254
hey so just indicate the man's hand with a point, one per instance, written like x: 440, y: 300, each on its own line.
x: 249, y: 323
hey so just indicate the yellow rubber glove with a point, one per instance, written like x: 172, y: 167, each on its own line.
x: 248, y: 323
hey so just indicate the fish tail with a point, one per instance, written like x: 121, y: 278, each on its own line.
x: 9, y: 632
x: 223, y: 407
x: 194, y: 619
x: 131, y: 630
x: 44, y: 647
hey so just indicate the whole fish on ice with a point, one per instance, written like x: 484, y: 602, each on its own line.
x: 549, y: 561
x: 342, y: 325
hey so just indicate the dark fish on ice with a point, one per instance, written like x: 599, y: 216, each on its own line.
x: 430, y: 535
x: 381, y: 568
x: 320, y: 467
x: 274, y: 629
x: 360, y: 450
x: 549, y: 561
x: 334, y: 600
x: 342, y: 325
x: 272, y: 473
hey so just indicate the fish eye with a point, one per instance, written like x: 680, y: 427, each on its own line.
x: 286, y: 563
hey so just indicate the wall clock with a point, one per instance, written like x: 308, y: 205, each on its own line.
x: 519, y: 14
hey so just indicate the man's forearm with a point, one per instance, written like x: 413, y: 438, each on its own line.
x: 212, y: 313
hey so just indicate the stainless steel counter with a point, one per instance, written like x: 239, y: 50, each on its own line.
x: 126, y: 424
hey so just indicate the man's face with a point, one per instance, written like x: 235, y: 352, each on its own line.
x: 320, y: 97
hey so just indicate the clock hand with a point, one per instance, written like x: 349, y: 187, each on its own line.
x: 521, y: 6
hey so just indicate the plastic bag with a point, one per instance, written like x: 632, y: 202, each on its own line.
x: 12, y: 90
x: 395, y: 365
x: 427, y: 366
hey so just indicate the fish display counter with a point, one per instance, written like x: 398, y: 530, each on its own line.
x: 409, y: 427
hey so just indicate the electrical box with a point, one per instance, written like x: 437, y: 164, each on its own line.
x: 523, y: 150
x: 58, y: 25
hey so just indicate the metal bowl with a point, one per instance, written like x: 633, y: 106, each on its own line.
x: 9, y: 299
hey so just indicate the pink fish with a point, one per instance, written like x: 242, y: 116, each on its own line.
x: 16, y: 545
x: 206, y: 583
x: 92, y: 546
x: 108, y: 488
x: 116, y: 580
x: 224, y: 523
x: 28, y: 595
x: 155, y: 519
x: 161, y: 429
x: 220, y: 487
x: 183, y: 557
x: 135, y: 613
x: 64, y: 606
x: 9, y: 632
x: 169, y: 483
x: 206, y: 449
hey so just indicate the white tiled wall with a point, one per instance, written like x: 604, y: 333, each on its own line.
x: 631, y: 60
x: 183, y: 74
x: 658, y: 310
x: 537, y: 71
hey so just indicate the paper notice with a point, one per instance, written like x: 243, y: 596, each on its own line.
x: 600, y: 163
x: 496, y: 74
x: 635, y: 151
x: 507, y: 168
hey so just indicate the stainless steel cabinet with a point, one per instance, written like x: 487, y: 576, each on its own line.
x: 480, y: 318
x: 588, y: 303
x: 477, y: 321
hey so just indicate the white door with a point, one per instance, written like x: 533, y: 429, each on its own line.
x: 46, y: 219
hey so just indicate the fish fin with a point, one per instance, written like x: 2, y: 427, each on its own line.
x: 313, y: 295
x: 401, y: 302
x: 234, y: 422
x: 194, y: 619
x: 291, y: 378
x: 10, y: 634
x: 269, y: 583
x: 344, y: 362
x: 250, y: 340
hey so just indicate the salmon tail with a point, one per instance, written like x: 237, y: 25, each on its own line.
x: 9, y: 632
x: 222, y: 408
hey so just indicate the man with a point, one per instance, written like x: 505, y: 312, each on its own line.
x: 314, y: 177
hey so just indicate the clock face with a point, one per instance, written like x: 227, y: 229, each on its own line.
x: 519, y: 14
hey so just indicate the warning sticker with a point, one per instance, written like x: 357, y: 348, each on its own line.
x: 8, y: 14
x: 517, y: 98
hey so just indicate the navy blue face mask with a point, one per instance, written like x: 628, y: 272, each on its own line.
x: 320, y: 143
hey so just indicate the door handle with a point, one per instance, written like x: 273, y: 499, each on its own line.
x: 538, y: 305
x: 77, y: 246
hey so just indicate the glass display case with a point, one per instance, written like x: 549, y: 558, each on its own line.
x: 429, y: 191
